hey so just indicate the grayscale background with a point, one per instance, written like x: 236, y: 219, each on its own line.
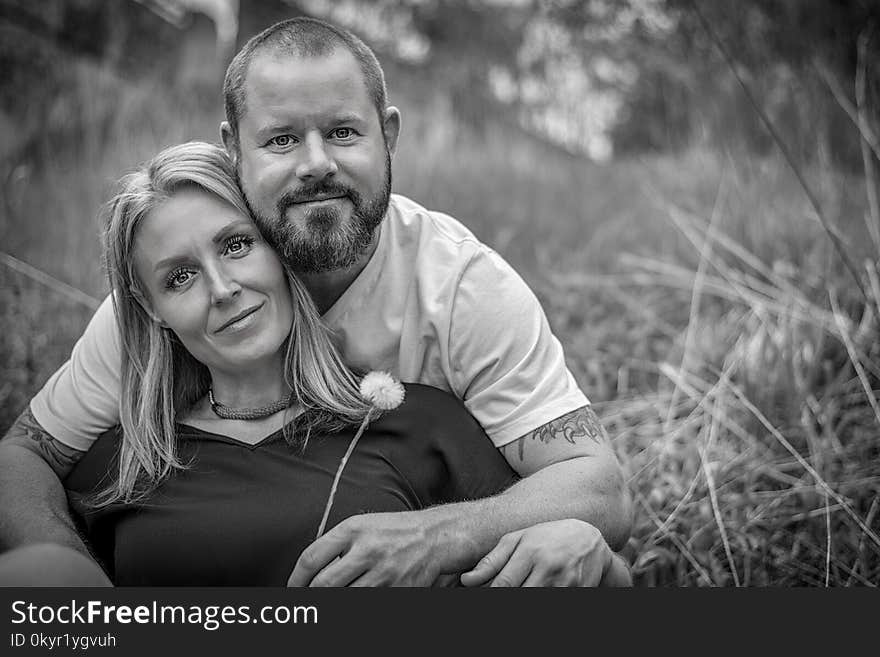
x: 713, y: 281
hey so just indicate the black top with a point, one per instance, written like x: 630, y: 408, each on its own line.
x: 241, y: 514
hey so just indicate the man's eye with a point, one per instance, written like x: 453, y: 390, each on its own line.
x: 343, y: 133
x: 281, y: 141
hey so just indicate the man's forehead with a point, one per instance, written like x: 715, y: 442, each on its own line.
x: 277, y: 76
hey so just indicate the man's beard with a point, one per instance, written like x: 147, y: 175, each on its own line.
x: 323, y: 241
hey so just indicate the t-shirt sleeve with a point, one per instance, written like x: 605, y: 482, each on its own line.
x: 506, y: 364
x: 81, y: 400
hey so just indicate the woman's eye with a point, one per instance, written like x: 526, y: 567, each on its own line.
x: 178, y: 278
x: 281, y: 141
x: 238, y: 245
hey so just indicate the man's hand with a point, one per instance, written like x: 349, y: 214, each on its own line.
x: 558, y: 553
x: 375, y: 549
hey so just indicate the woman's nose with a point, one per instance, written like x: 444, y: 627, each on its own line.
x: 222, y: 286
x: 316, y: 163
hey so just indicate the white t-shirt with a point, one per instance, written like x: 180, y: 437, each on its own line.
x: 432, y: 306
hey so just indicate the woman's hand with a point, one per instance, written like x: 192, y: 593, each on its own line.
x: 557, y: 553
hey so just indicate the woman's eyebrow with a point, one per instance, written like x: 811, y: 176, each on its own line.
x: 168, y: 262
x: 232, y: 228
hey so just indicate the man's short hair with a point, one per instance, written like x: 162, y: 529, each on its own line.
x: 300, y: 37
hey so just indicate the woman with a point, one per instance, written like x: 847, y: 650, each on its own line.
x: 236, y: 408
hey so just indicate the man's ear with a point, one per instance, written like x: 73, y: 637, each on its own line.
x: 391, y: 127
x: 230, y: 143
x: 147, y: 306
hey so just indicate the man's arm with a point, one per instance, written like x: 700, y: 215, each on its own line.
x: 33, y: 503
x: 570, y: 471
x: 572, y: 455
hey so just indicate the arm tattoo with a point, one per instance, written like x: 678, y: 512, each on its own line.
x: 580, y: 423
x: 27, y: 432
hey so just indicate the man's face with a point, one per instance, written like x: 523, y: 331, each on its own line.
x: 313, y: 160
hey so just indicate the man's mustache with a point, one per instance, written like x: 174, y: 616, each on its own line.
x: 314, y: 191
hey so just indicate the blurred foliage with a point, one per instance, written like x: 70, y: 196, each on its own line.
x: 627, y: 75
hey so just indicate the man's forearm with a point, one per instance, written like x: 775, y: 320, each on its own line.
x: 33, y: 503
x: 586, y: 488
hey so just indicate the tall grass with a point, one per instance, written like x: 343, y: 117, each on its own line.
x: 701, y: 306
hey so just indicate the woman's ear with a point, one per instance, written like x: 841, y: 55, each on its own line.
x: 148, y: 308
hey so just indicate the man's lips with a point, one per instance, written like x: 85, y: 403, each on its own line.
x: 240, y: 316
x: 317, y: 198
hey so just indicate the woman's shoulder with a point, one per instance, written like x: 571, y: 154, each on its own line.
x: 430, y: 401
x: 94, y: 465
x: 430, y: 412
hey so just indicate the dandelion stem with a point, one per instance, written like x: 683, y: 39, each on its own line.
x: 339, y: 470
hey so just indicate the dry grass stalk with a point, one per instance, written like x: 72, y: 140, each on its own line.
x: 853, y: 355
x: 676, y: 541
x: 873, y: 217
x: 832, y: 231
x: 864, y: 128
x: 50, y: 282
x: 800, y: 459
x: 705, y: 250
x: 713, y: 495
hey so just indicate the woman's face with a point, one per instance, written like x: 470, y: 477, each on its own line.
x: 209, y: 276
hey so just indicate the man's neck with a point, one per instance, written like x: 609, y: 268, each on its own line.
x: 326, y: 287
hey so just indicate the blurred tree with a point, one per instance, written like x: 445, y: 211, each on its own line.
x: 595, y: 76
x: 777, y: 46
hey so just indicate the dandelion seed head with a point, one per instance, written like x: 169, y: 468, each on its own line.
x: 381, y: 390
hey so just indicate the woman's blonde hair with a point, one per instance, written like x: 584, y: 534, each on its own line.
x: 159, y: 377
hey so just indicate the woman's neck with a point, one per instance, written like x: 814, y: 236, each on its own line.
x: 250, y: 387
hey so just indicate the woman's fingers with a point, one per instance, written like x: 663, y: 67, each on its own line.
x: 492, y: 564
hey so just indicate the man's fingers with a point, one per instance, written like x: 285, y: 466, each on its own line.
x: 492, y: 563
x: 515, y: 571
x: 317, y: 556
x: 539, y: 577
x: 617, y: 573
x: 341, y: 572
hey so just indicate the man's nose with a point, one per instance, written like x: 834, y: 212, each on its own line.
x: 222, y: 286
x: 316, y: 163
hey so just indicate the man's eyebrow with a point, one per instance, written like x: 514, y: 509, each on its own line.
x: 347, y: 118
x: 265, y: 131
x: 335, y: 120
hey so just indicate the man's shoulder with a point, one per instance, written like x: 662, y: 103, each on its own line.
x: 431, y: 227
x: 438, y: 251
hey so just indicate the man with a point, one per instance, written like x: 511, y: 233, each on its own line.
x: 406, y: 290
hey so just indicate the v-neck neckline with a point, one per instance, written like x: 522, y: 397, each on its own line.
x: 191, y: 431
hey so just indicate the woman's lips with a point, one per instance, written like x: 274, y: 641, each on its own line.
x: 241, y: 320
